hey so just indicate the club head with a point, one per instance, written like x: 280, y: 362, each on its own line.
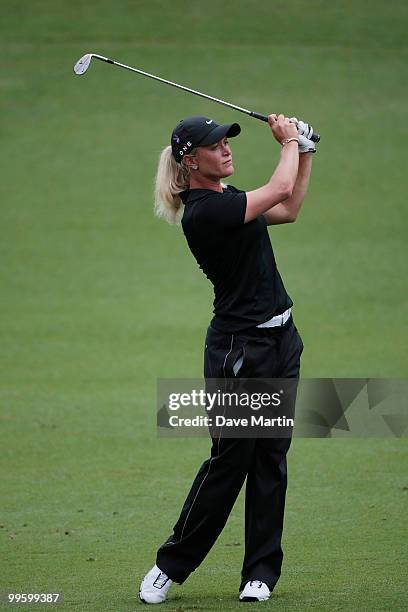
x: 82, y: 64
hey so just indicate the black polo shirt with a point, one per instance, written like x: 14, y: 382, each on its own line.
x: 236, y: 257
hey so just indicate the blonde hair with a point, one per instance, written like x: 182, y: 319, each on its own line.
x: 171, y: 179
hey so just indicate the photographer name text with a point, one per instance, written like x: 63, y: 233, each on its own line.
x: 222, y: 421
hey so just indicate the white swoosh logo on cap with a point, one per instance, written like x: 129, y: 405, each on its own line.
x: 210, y: 121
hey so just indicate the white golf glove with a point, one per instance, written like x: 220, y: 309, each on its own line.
x: 305, y: 132
x: 306, y: 145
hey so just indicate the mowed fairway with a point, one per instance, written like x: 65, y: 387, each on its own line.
x: 99, y: 299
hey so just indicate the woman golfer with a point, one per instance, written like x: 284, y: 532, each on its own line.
x: 252, y: 334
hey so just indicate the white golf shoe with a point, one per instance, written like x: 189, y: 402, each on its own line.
x: 255, y: 590
x: 154, y: 587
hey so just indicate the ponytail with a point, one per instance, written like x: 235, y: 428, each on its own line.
x: 171, y: 179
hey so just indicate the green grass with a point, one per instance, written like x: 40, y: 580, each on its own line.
x: 99, y: 299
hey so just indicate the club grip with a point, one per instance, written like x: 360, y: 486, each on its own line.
x: 315, y: 137
x: 260, y: 117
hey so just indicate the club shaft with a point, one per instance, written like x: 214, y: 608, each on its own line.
x: 156, y: 78
x: 315, y: 137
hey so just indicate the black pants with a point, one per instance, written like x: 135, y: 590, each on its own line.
x: 260, y: 353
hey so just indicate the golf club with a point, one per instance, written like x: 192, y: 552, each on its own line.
x: 83, y: 64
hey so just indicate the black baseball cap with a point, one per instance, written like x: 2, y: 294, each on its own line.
x: 198, y: 131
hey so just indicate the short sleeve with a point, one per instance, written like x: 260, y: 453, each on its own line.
x: 221, y: 210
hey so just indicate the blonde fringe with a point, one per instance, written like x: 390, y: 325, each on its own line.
x: 171, y: 179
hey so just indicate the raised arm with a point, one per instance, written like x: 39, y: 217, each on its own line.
x: 288, y: 210
x: 281, y: 184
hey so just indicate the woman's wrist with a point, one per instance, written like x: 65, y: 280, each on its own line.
x: 288, y: 140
